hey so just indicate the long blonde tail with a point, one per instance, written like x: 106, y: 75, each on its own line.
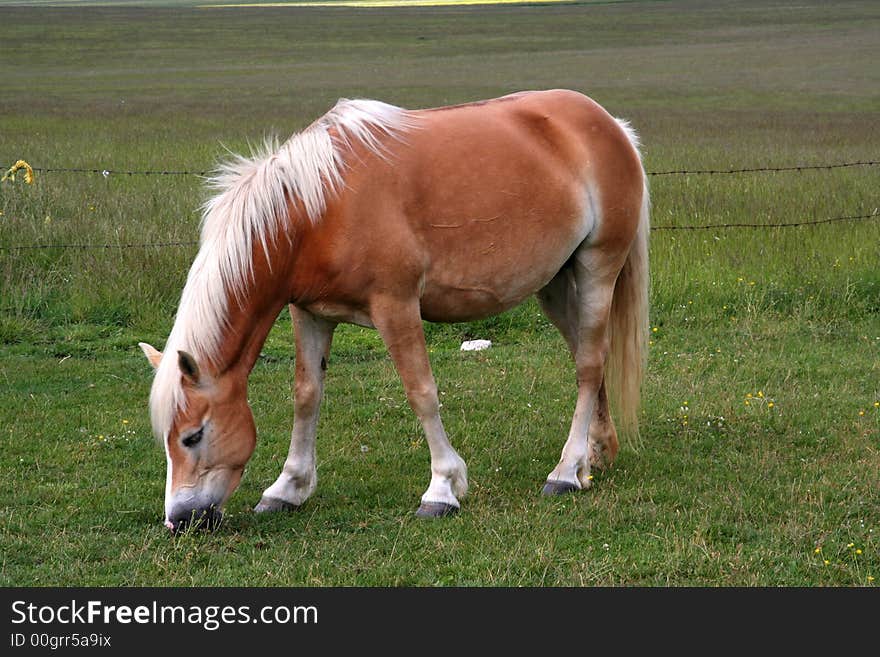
x: 627, y: 358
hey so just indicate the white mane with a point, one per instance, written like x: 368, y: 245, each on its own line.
x: 249, y: 208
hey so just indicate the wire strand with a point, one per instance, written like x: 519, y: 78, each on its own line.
x: 117, y: 172
x: 675, y: 172
x: 145, y: 245
x: 805, y: 167
x: 791, y: 224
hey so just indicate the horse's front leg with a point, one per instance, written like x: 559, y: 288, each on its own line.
x: 298, y: 479
x: 400, y: 325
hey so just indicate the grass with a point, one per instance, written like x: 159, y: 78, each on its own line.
x: 720, y: 492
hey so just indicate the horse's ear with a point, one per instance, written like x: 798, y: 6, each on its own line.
x: 188, y: 367
x: 153, y: 355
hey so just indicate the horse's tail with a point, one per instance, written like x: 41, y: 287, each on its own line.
x: 629, y: 325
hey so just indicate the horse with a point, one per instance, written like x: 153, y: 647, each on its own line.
x: 384, y: 217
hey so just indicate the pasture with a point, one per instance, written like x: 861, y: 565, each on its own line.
x: 759, y: 453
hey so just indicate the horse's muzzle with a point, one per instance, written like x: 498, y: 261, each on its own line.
x: 207, y: 518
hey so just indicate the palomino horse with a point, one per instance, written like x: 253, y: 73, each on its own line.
x: 385, y: 217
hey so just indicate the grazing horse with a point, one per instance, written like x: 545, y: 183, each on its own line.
x: 384, y: 217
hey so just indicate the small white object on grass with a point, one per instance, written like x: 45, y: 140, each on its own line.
x: 475, y: 345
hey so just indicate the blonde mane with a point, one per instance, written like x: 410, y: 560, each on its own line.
x: 249, y: 207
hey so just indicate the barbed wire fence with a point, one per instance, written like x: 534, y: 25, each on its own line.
x: 107, y: 173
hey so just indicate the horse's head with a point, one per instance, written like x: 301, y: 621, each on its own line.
x: 209, y: 435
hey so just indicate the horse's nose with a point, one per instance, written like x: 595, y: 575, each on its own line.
x: 200, y: 518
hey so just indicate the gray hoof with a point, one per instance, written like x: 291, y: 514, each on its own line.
x: 435, y: 510
x: 268, y: 504
x: 555, y: 487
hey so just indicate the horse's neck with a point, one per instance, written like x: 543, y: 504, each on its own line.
x: 250, y: 317
x: 245, y: 335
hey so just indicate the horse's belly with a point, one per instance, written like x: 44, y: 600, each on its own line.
x: 462, y: 303
x: 487, y: 279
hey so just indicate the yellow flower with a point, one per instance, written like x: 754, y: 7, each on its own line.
x: 826, y: 562
x: 748, y: 395
x: 849, y: 545
x: 20, y: 164
x: 861, y: 413
x: 760, y: 394
x: 747, y: 402
x: 876, y: 404
x: 858, y: 551
x: 770, y: 404
x: 870, y: 578
x: 654, y: 330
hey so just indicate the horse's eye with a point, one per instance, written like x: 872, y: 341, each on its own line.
x: 193, y: 439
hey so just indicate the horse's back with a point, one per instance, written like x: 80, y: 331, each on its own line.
x: 558, y: 126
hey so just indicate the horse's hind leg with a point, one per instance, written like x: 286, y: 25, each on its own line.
x: 400, y: 325
x: 559, y: 302
x: 578, y: 302
x: 603, y: 433
x: 298, y: 479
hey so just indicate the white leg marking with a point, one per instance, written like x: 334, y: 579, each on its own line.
x: 299, y: 478
x: 448, y: 469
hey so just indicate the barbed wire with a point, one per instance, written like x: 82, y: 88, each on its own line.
x: 86, y: 247
x: 117, y: 172
x: 147, y: 245
x: 674, y: 172
x: 790, y: 224
x: 804, y: 167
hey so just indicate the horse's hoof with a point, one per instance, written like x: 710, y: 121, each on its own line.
x: 435, y: 510
x: 268, y: 504
x: 556, y: 487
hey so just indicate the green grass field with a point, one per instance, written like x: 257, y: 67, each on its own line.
x: 760, y: 447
